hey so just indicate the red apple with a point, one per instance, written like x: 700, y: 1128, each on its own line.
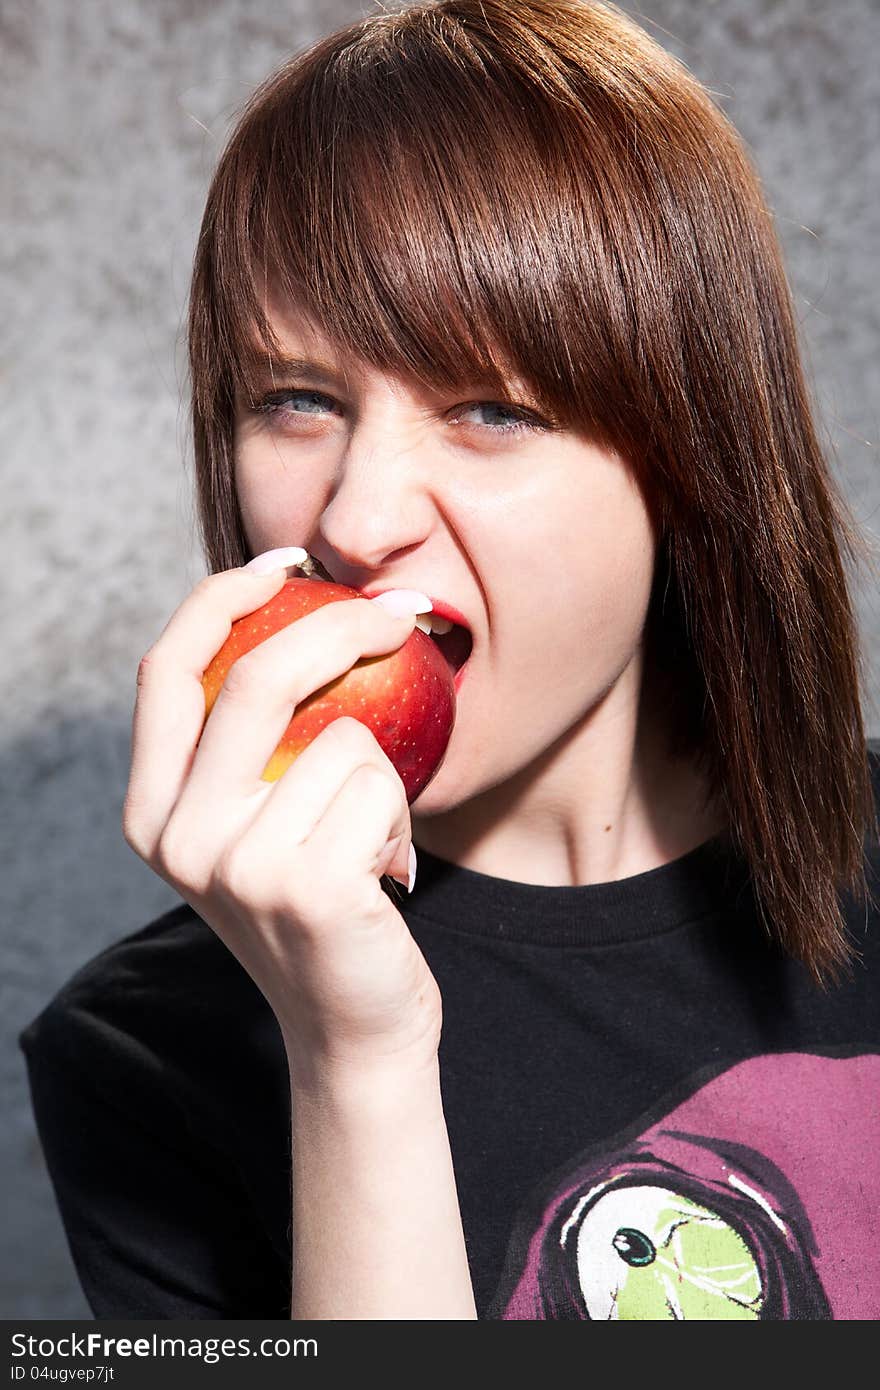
x: 407, y: 697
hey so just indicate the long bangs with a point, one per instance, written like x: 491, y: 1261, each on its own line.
x: 435, y: 240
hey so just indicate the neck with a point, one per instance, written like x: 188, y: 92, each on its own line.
x: 604, y: 802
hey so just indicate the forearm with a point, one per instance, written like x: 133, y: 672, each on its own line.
x: 376, y: 1224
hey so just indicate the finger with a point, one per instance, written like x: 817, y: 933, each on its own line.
x: 170, y: 705
x: 263, y: 865
x: 348, y: 844
x: 264, y: 687
x: 295, y: 803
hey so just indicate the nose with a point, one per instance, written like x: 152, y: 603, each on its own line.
x: 379, y: 508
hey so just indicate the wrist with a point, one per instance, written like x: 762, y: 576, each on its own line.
x: 348, y: 1081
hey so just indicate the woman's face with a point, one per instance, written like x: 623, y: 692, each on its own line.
x: 541, y: 540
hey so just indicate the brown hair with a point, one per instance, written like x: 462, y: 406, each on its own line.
x: 477, y: 188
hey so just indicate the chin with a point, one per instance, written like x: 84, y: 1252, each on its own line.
x: 443, y: 792
x: 433, y: 801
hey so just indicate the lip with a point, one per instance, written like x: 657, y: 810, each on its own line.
x: 438, y: 605
x: 443, y: 610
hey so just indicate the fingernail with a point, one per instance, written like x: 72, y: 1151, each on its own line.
x: 412, y: 868
x: 271, y: 560
x: 402, y: 603
x: 409, y: 882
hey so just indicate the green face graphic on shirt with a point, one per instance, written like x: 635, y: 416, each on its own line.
x: 649, y: 1253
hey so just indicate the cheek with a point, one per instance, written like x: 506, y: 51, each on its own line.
x: 614, y: 578
x: 278, y: 506
x: 617, y: 570
x: 594, y: 570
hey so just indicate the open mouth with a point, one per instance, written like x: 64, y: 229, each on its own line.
x: 454, y: 641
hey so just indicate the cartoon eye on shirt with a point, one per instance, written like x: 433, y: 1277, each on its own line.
x: 746, y: 1201
x: 646, y: 1252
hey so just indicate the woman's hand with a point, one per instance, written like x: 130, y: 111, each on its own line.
x: 286, y: 873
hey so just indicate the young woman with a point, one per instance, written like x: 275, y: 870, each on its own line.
x: 488, y: 308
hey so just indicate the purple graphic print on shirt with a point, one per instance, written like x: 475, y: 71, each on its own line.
x: 757, y: 1197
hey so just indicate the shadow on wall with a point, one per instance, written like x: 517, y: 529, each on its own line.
x: 71, y: 886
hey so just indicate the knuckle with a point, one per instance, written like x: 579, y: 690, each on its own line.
x: 246, y: 676
x: 232, y: 873
x: 209, y: 589
x: 146, y: 667
x: 380, y: 783
x: 266, y: 667
x: 357, y: 741
x: 394, y: 776
x: 130, y: 833
x: 382, y: 764
x: 209, y: 582
x: 130, y: 837
x: 240, y: 878
x: 174, y: 855
x: 375, y: 777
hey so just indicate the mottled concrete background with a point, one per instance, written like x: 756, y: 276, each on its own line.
x: 113, y: 112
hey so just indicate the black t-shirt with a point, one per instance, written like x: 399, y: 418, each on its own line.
x: 652, y: 1111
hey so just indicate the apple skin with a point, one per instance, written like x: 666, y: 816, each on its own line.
x: 406, y: 697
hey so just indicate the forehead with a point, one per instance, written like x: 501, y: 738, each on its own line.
x: 295, y: 341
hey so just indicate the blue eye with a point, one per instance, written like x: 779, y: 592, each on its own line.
x: 282, y: 402
x: 521, y: 419
x: 303, y: 402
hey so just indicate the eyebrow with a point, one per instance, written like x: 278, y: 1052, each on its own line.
x: 265, y: 369
x: 262, y: 365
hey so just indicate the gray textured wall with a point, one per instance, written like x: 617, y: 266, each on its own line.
x: 112, y: 116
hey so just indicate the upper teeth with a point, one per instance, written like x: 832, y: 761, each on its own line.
x: 432, y: 622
